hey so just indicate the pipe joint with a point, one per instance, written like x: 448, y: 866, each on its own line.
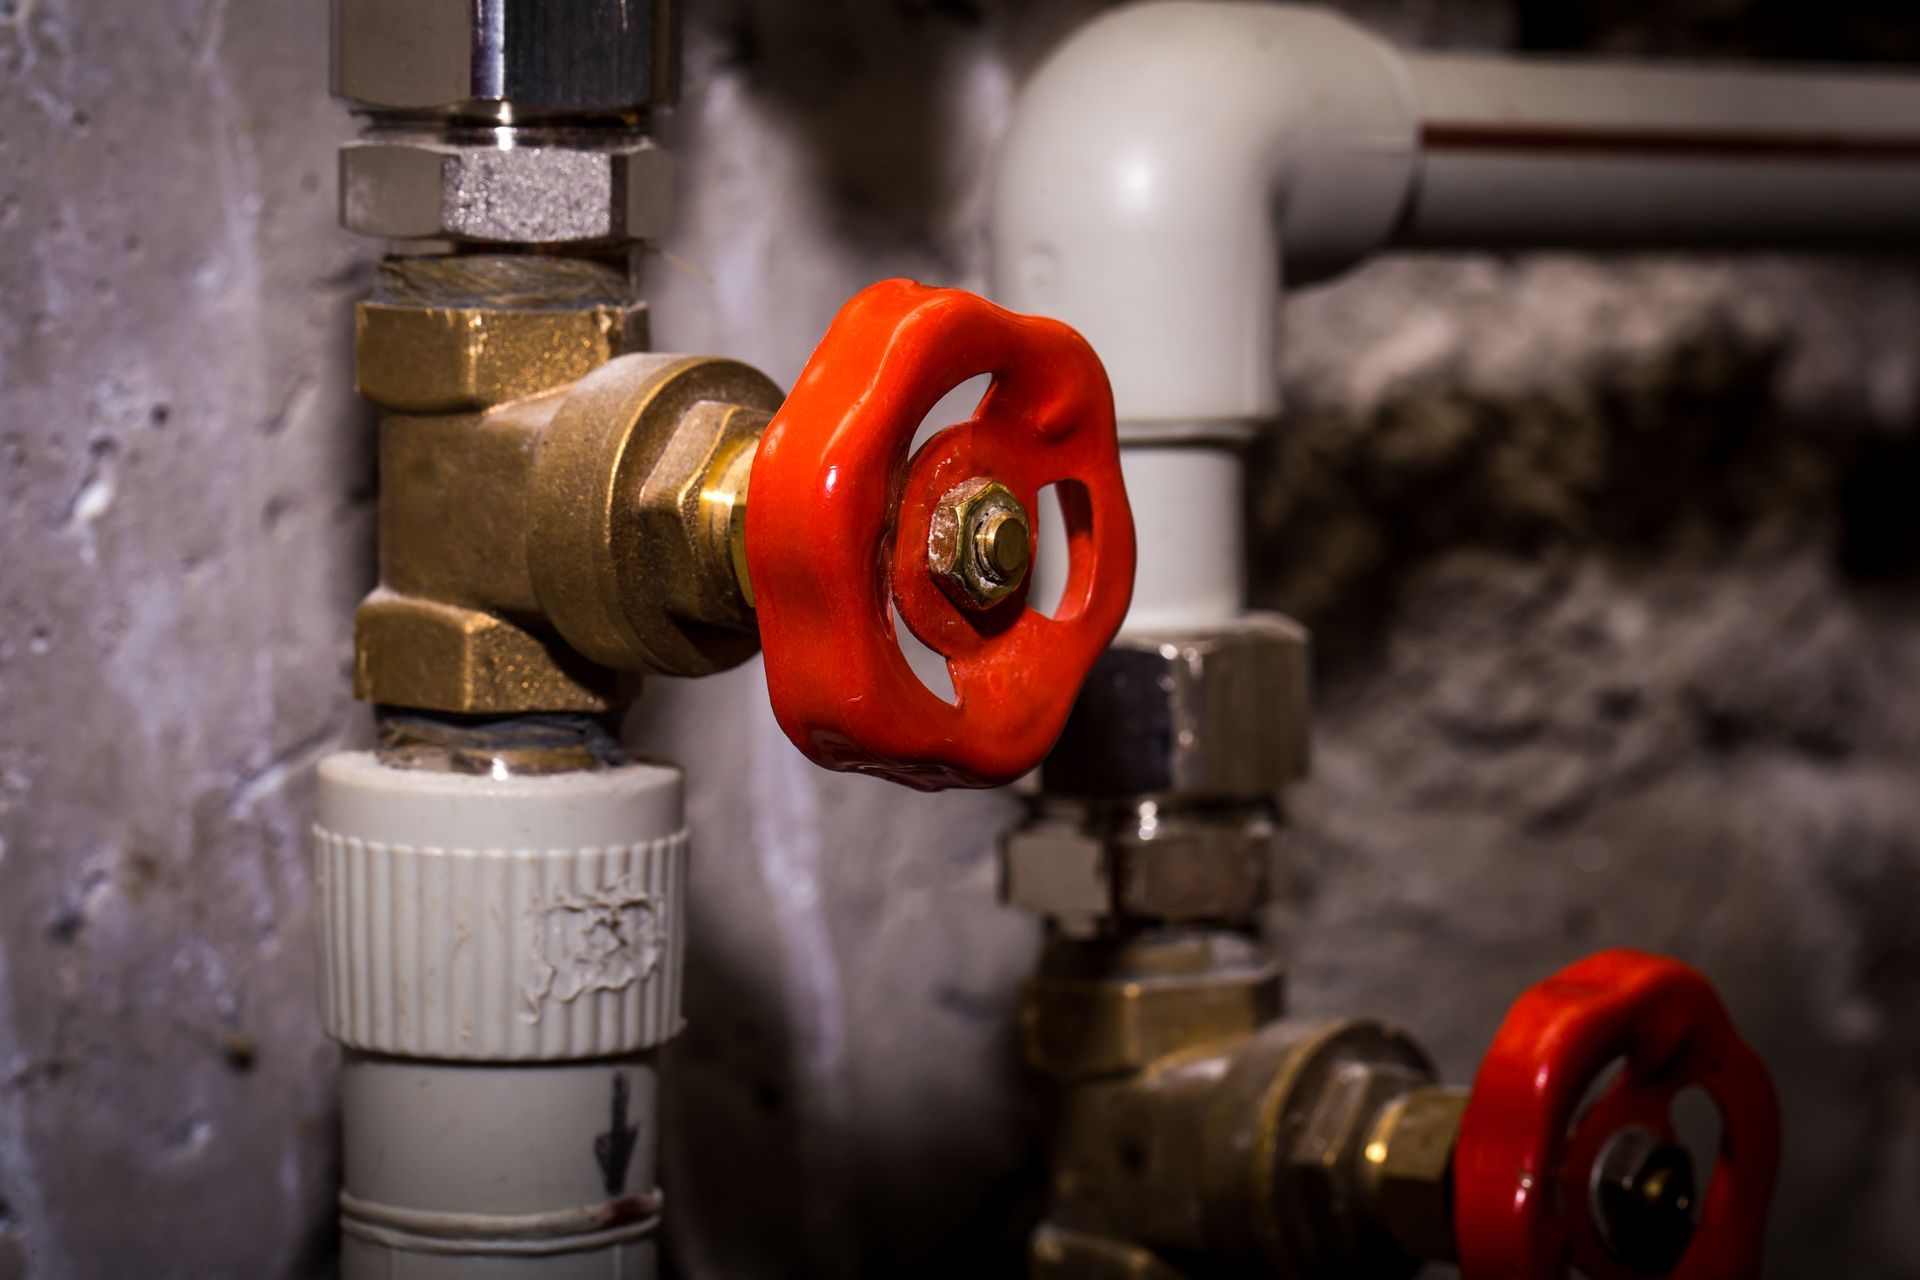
x: 1209, y: 149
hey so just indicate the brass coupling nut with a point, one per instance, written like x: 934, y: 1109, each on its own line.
x: 638, y: 513
x: 1147, y: 1000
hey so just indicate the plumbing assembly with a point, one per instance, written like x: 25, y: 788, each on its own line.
x: 562, y: 510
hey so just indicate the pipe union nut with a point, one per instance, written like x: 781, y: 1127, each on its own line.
x: 420, y: 188
x: 458, y: 57
x: 1200, y: 715
x: 1145, y: 867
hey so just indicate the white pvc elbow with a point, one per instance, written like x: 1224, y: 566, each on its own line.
x: 1166, y: 153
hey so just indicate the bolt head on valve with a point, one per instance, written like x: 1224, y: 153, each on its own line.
x: 942, y: 541
x: 979, y: 543
x: 1643, y: 1197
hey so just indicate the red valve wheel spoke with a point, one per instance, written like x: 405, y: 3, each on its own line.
x: 837, y: 531
x: 1525, y: 1157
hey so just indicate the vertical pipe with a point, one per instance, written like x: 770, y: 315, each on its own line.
x: 1187, y: 517
x: 500, y: 956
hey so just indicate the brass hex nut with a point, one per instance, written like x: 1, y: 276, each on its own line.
x: 1407, y: 1169
x: 1324, y: 1169
x: 979, y: 543
x: 454, y: 359
x: 1163, y: 867
x: 692, y: 513
x: 616, y: 479
x: 1076, y: 1028
x: 420, y: 187
x: 420, y: 653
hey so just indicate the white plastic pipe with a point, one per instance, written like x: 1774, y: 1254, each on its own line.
x: 1552, y: 153
x: 1186, y: 516
x: 1173, y: 164
x: 501, y: 959
x: 1154, y: 168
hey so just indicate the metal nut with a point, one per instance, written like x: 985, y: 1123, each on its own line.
x: 456, y: 56
x: 1214, y: 714
x: 1144, y: 1001
x: 422, y: 188
x: 411, y: 652
x: 687, y: 511
x: 1643, y: 1192
x: 624, y: 561
x: 979, y: 543
x: 1147, y: 865
x: 1407, y: 1169
x: 1320, y: 1192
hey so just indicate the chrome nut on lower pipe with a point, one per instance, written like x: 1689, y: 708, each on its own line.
x: 1214, y: 713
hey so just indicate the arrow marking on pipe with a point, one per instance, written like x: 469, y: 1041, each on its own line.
x: 613, y: 1150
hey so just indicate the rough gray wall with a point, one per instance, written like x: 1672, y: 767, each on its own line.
x: 1614, y: 568
x: 186, y: 527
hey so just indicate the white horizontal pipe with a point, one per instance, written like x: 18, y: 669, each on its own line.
x: 1550, y: 153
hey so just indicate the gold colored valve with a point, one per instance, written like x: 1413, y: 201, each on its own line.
x: 556, y: 508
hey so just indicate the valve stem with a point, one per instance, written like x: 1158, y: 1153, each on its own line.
x: 1643, y: 1201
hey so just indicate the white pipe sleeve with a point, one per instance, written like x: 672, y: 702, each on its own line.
x: 1187, y: 518
x: 501, y: 957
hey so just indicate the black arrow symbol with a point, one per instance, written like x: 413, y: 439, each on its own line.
x: 613, y: 1150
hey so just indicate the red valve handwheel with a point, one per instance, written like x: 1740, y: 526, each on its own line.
x: 1524, y: 1161
x: 837, y: 526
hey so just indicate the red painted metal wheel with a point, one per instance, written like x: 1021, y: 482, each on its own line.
x: 838, y: 523
x: 1524, y: 1167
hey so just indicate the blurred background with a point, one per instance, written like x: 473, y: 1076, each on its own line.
x: 1613, y: 567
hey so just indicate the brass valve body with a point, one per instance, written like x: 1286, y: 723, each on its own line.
x: 556, y: 508
x: 1199, y: 1134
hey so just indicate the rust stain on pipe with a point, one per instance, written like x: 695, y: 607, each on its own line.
x: 1690, y: 144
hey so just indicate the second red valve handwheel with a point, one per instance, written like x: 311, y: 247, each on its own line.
x: 843, y: 529
x: 1533, y: 1174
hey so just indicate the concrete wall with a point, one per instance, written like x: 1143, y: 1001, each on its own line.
x: 1615, y: 569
